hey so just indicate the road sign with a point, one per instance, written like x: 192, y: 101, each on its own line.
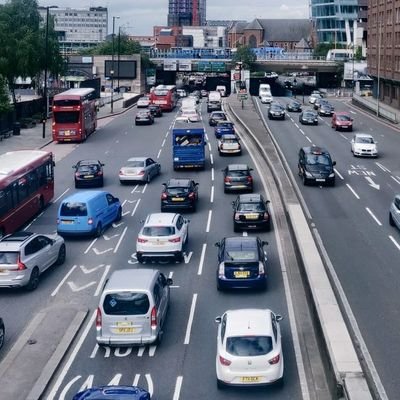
x: 204, y: 66
x: 218, y: 67
x: 242, y: 96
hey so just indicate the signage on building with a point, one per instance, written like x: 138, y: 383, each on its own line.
x: 170, y: 65
x: 185, y: 65
x: 204, y: 66
x: 355, y: 70
x: 150, y: 76
x: 218, y: 67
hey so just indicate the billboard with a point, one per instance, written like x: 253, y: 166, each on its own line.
x: 356, y: 70
x: 124, y: 69
x: 170, y: 65
x: 185, y: 65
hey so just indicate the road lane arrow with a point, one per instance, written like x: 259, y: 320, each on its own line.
x: 114, y: 225
x: 372, y: 183
x: 90, y: 270
x: 110, y: 237
x: 125, y: 213
x: 187, y: 257
x: 98, y: 252
x: 75, y: 288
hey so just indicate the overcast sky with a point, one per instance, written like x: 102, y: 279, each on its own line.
x: 139, y: 16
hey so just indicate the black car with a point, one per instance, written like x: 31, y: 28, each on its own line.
x: 2, y: 333
x: 316, y: 166
x: 155, y: 110
x: 308, y: 117
x: 144, y: 118
x: 216, y: 116
x: 88, y: 173
x: 242, y: 263
x: 276, y: 111
x: 179, y: 193
x: 318, y: 102
x: 250, y: 211
x: 237, y: 177
x: 326, y: 109
x: 294, y: 106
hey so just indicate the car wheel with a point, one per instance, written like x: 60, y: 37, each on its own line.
x: 101, y: 183
x: 33, y: 280
x: 391, y: 220
x: 220, y: 384
x: 148, y: 179
x: 336, y: 128
x: 268, y: 226
x: 119, y: 215
x: 2, y: 335
x: 236, y: 227
x: 99, y: 230
x: 179, y: 257
x: 332, y: 183
x: 157, y: 342
x: 305, y: 180
x: 140, y: 258
x: 61, y: 255
x: 76, y: 185
x: 2, y: 233
x: 187, y: 238
x: 280, y: 382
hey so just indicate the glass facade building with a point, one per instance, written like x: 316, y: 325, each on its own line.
x: 187, y: 12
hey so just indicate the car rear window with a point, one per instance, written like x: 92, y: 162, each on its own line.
x: 238, y: 173
x: 178, y: 190
x: 126, y: 303
x: 245, y: 346
x: 158, y: 230
x: 88, y: 168
x: 135, y: 164
x: 9, y: 257
x: 70, y: 209
x: 241, y: 255
x: 251, y: 207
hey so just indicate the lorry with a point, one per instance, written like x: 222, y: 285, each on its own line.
x: 188, y: 146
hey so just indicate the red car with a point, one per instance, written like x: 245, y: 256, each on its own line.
x: 342, y: 121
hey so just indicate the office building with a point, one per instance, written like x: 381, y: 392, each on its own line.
x: 78, y: 29
x: 187, y: 12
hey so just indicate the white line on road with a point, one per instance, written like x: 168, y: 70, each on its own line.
x: 55, y: 291
x: 145, y: 187
x: 101, y: 282
x: 120, y: 240
x: 308, y: 139
x: 190, y: 321
x: 209, y: 146
x: 394, y: 242
x: 297, y: 126
x: 301, y: 130
x: 159, y: 152
x: 61, y: 195
x: 212, y: 195
x: 373, y: 216
x: 212, y: 173
x: 352, y: 191
x: 124, y: 202
x: 382, y: 167
x: 209, y: 221
x: 178, y: 386
x: 211, y: 159
x: 71, y: 359
x: 163, y: 143
x: 90, y: 246
x: 344, y: 137
x: 396, y: 180
x: 201, y: 262
x: 134, y: 189
x: 206, y: 136
x: 136, y: 206
x: 338, y: 174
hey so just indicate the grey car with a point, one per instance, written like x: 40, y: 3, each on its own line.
x: 25, y: 255
x: 237, y: 177
x: 139, y: 169
x: 394, y: 212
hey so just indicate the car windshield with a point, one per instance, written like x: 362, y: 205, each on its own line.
x: 126, y: 303
x: 158, y: 231
x: 361, y: 139
x: 241, y: 255
x: 309, y: 114
x: 318, y: 159
x: 9, y: 257
x: 71, y: 209
x: 343, y: 118
x: 251, y: 207
x: 245, y: 346
x: 135, y: 164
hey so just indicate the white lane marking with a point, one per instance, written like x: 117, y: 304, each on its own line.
x: 382, y: 167
x: 396, y: 180
x: 145, y: 187
x: 120, y: 240
x: 373, y: 216
x: 170, y: 275
x: 212, y: 173
x: 124, y: 202
x: 296, y: 125
x: 353, y: 112
x: 178, y: 386
x: 301, y: 130
x: 211, y: 159
x: 72, y: 357
x: 190, y: 321
x: 244, y: 233
x: 209, y: 221
x: 136, y: 380
x: 101, y: 282
x: 163, y: 143
x: 63, y: 280
x: 167, y: 134
x: 338, y: 174
x: 76, y: 288
x: 352, y: 190
x: 159, y: 152
x: 344, y: 137
x: 150, y: 386
x: 209, y: 146
x: 136, y: 206
x: 68, y: 386
x: 61, y: 195
x: 90, y: 246
x: 372, y: 183
x: 394, y: 242
x: 134, y: 189
x: 212, y: 195
x: 201, y: 262
x: 206, y: 136
x: 308, y: 139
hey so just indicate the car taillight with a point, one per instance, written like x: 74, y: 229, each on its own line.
x: 90, y: 221
x: 266, y: 216
x: 21, y: 265
x: 224, y: 361
x: 98, y: 318
x: 227, y: 179
x: 237, y: 216
x: 164, y: 196
x: 100, y: 173
x: 141, y: 240
x: 175, y: 240
x: 249, y: 179
x: 191, y: 196
x: 275, y: 360
x: 77, y: 174
x: 141, y: 173
x: 58, y: 221
x: 121, y: 172
x: 153, y: 318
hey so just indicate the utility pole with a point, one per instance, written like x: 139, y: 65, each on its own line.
x: 112, y: 66
x: 45, y: 107
x: 378, y: 93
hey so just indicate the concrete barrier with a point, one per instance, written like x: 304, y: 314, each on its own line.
x: 371, y: 105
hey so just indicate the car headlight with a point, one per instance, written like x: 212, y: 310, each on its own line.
x: 332, y: 175
x: 308, y: 174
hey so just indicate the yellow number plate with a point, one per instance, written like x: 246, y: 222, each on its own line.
x: 89, y: 176
x: 178, y: 199
x: 251, y: 216
x: 250, y: 379
x: 241, y: 274
x: 67, y: 222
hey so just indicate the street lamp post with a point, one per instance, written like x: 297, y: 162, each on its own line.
x: 45, y: 107
x: 112, y: 66
x: 378, y: 93
x: 119, y: 54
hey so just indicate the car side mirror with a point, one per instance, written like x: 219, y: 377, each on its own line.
x: 218, y: 320
x: 116, y: 199
x: 196, y: 183
x: 187, y: 220
x: 102, y: 164
x: 142, y: 221
x: 352, y: 140
x: 164, y: 184
x: 205, y: 143
x: 334, y: 163
x: 267, y: 201
x: 217, y: 244
x: 250, y: 169
x: 278, y: 318
x: 169, y: 282
x: 233, y: 203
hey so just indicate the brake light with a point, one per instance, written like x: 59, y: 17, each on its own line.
x: 175, y: 240
x: 120, y: 172
x: 90, y: 221
x: 164, y: 196
x: 224, y: 361
x: 141, y: 240
x: 237, y: 216
x: 153, y: 318
x: 21, y: 265
x: 100, y: 173
x: 141, y: 173
x: 249, y: 179
x: 191, y: 195
x: 266, y: 216
x: 221, y: 271
x: 227, y: 179
x: 98, y: 318
x: 261, y: 270
x: 275, y: 360
x: 77, y: 174
x: 58, y: 221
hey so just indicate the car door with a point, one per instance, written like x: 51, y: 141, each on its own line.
x: 112, y: 209
x: 48, y: 251
x: 34, y: 256
x: 221, y: 251
x: 396, y: 215
x: 164, y: 296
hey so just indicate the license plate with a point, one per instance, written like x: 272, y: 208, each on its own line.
x: 2, y: 270
x: 67, y: 133
x: 241, y: 274
x: 88, y: 176
x: 320, y: 180
x: 178, y: 199
x: 251, y: 216
x: 67, y: 140
x: 67, y: 222
x: 250, y: 379
x: 126, y: 330
x: 158, y: 243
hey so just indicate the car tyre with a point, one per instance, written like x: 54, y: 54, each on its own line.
x: 119, y: 215
x: 280, y: 382
x: 33, y: 280
x: 61, y: 255
x: 220, y: 384
x: 148, y: 179
x: 391, y: 220
x: 236, y: 227
x: 179, y: 257
x: 305, y: 180
x: 99, y: 230
x: 2, y: 334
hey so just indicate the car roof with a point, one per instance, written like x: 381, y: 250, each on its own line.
x: 88, y: 162
x: 249, y: 321
x: 250, y: 198
x: 365, y: 135
x: 217, y: 113
x: 14, y: 241
x: 179, y: 182
x: 130, y: 279
x: 160, y: 219
x: 119, y: 392
x: 315, y: 150
x: 237, y: 167
x: 137, y: 159
x: 83, y: 196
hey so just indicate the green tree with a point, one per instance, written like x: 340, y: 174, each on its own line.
x: 358, y: 54
x: 125, y: 46
x: 245, y: 55
x: 5, y: 105
x: 321, y: 50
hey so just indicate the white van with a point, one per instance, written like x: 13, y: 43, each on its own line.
x: 214, y: 102
x: 264, y: 89
x: 221, y: 89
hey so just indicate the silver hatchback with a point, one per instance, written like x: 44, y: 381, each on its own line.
x: 25, y: 255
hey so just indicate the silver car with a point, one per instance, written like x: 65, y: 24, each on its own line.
x: 139, y: 169
x: 25, y: 255
x: 394, y: 212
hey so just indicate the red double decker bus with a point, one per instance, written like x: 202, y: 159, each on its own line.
x: 74, y: 115
x: 26, y: 186
x: 165, y: 96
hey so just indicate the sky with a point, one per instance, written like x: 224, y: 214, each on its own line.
x: 137, y: 17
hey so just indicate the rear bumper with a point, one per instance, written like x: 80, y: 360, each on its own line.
x: 264, y: 224
x: 184, y: 205
x: 14, y: 279
x: 256, y: 283
x: 125, y: 341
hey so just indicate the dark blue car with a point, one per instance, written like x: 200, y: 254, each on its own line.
x: 224, y: 127
x: 241, y: 263
x: 113, y: 393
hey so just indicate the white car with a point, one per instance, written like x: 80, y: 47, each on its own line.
x: 143, y: 102
x: 314, y: 97
x: 249, y: 348
x: 139, y: 169
x: 229, y: 144
x: 363, y: 144
x: 191, y: 114
x: 267, y: 98
x: 163, y: 235
x: 394, y: 212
